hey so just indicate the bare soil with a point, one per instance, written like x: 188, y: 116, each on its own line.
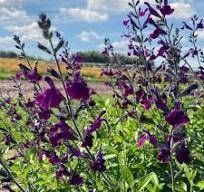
x: 7, y: 88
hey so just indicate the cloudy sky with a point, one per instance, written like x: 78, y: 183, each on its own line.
x: 84, y: 23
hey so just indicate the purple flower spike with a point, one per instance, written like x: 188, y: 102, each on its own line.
x: 78, y: 89
x: 182, y: 154
x: 50, y: 97
x: 164, y: 154
x: 97, y: 123
x: 98, y: 164
x: 177, y: 118
x: 76, y: 180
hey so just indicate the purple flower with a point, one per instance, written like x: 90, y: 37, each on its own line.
x: 88, y: 140
x: 146, y: 135
x: 182, y: 154
x: 166, y: 10
x: 44, y: 114
x: 142, y: 13
x: 54, y: 159
x: 42, y: 153
x: 147, y: 103
x: 200, y: 25
x: 78, y: 89
x: 164, y: 154
x: 158, y: 31
x: 75, y: 179
x: 141, y: 140
x: 60, y: 132
x: 140, y: 94
x: 98, y: 164
x: 33, y: 76
x: 176, y: 118
x: 161, y: 105
x: 75, y: 152
x: 97, y: 123
x: 62, y: 171
x: 50, y: 97
x: 184, y: 69
x: 19, y: 75
x: 125, y: 22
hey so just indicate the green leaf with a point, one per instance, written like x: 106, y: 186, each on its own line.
x: 144, y: 181
x: 126, y: 174
x: 200, y: 185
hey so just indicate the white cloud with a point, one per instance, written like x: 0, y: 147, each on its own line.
x: 87, y: 15
x: 107, y: 5
x: 11, y: 15
x: 10, y: 3
x: 6, y: 43
x: 113, y: 6
x: 29, y: 32
x: 182, y: 10
x: 200, y: 34
x: 87, y: 36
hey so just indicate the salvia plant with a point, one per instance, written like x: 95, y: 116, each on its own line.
x: 146, y: 136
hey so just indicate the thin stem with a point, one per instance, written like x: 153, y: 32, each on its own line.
x: 10, y: 174
x: 172, y: 176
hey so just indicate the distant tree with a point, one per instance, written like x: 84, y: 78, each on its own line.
x: 97, y: 57
x: 8, y: 54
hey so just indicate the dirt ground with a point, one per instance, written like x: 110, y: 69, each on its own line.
x: 7, y: 88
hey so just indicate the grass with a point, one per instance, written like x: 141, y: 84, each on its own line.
x: 9, y: 67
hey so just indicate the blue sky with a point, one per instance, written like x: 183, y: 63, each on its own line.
x: 84, y: 23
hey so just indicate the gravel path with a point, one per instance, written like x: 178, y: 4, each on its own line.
x: 7, y: 87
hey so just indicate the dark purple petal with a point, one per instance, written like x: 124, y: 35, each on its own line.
x: 50, y: 97
x: 164, y: 154
x: 166, y: 10
x: 141, y: 140
x: 44, y: 114
x: 177, y: 118
x: 76, y: 180
x: 54, y: 159
x: 161, y: 105
x: 98, y: 165
x: 182, y: 154
x: 153, y: 140
x: 88, y: 140
x: 78, y: 89
x: 33, y: 76
x: 61, y: 171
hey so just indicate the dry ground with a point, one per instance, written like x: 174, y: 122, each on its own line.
x: 7, y: 87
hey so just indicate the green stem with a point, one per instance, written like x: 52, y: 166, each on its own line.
x: 172, y: 176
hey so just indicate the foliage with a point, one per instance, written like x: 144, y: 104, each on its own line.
x: 148, y: 133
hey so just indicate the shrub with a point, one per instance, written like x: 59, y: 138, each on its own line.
x: 73, y: 140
